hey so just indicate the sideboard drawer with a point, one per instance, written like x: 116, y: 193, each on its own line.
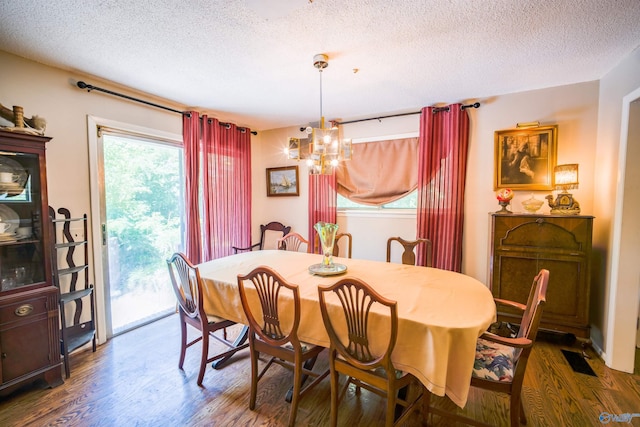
x: 23, y: 310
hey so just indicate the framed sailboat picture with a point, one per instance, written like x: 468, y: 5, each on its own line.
x: 283, y: 181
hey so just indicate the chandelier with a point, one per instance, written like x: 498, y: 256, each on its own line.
x: 323, y: 149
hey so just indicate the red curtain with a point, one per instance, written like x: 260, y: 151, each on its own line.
x: 442, y: 168
x: 322, y: 202
x: 226, y: 188
x: 191, y: 140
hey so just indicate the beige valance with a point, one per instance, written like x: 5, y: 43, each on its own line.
x: 379, y: 172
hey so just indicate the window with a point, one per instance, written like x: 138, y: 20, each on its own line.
x: 410, y: 201
x: 383, y: 174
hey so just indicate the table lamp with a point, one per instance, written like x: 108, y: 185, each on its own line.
x: 565, y: 178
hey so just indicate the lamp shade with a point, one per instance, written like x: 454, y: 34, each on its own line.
x: 566, y: 177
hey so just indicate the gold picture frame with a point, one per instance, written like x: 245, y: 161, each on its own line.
x: 525, y: 158
x: 283, y: 181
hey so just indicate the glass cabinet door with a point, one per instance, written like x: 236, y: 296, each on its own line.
x: 21, y: 221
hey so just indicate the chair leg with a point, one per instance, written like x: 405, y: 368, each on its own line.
x: 204, y: 356
x: 426, y: 405
x: 183, y: 342
x: 391, y: 407
x: 295, y: 398
x: 515, y: 410
x: 523, y: 417
x: 254, y: 378
x: 335, y: 390
x: 307, y: 365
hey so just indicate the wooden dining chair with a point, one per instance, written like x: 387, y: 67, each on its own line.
x: 269, y: 334
x: 353, y: 353
x: 292, y: 242
x: 501, y: 362
x: 269, y: 235
x: 336, y: 246
x: 408, y: 254
x: 187, y: 287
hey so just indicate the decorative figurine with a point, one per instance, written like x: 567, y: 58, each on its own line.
x: 565, y: 178
x: 564, y: 204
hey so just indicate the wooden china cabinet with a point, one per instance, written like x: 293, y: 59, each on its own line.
x: 29, y: 331
x: 522, y: 244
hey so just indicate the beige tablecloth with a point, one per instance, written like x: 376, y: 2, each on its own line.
x: 441, y: 313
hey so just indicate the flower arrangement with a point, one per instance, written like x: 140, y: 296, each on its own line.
x: 504, y: 197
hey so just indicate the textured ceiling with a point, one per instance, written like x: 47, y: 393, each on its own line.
x: 250, y: 61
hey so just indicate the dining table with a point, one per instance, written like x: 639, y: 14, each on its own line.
x: 441, y: 313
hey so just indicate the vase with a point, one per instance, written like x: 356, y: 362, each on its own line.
x: 504, y: 204
x: 327, y: 236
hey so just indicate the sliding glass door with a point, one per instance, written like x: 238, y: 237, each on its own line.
x: 141, y: 226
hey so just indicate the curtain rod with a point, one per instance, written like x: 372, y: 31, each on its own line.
x: 83, y: 85
x: 435, y: 110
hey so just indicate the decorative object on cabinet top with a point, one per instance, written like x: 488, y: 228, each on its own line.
x: 532, y: 205
x: 504, y: 197
x: 566, y: 178
x: 35, y: 125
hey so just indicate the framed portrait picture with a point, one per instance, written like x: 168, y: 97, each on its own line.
x: 525, y: 158
x: 283, y: 181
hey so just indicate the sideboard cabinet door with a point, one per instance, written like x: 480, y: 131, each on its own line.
x: 523, y: 244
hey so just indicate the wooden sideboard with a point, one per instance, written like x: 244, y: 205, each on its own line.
x: 522, y: 244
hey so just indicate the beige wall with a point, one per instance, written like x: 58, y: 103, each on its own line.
x: 51, y: 93
x: 614, y: 314
x: 588, y: 115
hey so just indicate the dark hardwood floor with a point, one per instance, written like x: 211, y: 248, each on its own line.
x: 133, y: 380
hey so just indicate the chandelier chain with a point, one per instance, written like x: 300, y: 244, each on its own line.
x: 321, y: 115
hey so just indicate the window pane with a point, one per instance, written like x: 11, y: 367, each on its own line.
x: 144, y: 218
x: 410, y: 201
